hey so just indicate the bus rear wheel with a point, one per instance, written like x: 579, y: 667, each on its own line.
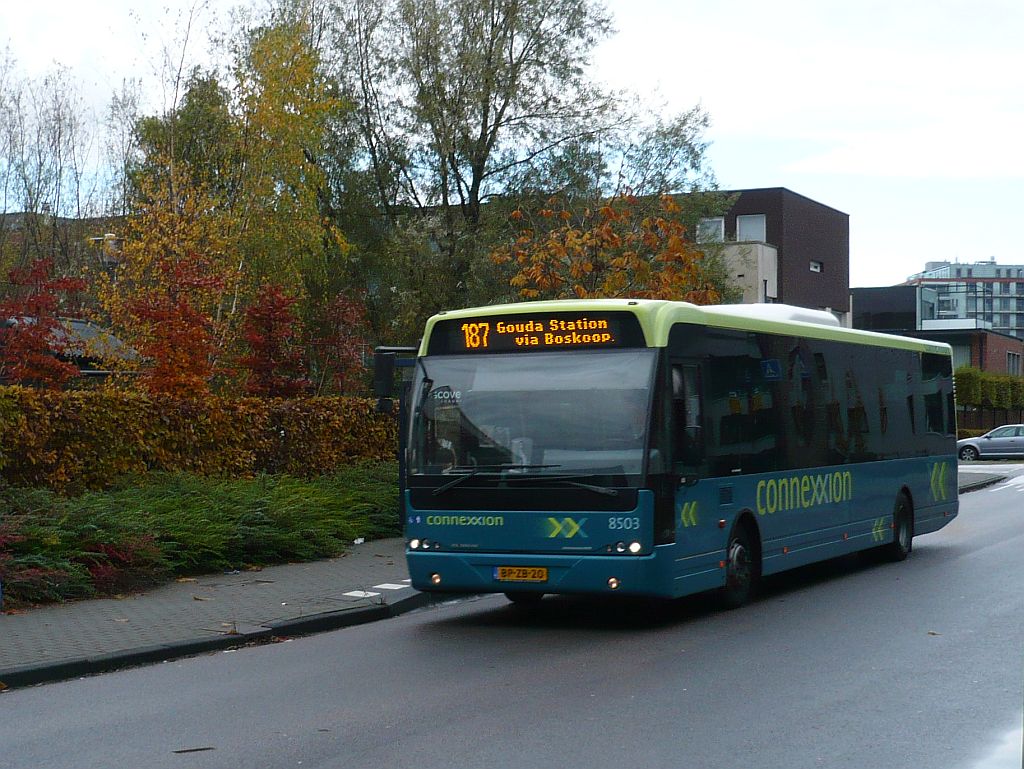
x: 742, y: 567
x: 903, y: 530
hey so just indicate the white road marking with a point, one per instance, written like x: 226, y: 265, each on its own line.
x: 361, y: 594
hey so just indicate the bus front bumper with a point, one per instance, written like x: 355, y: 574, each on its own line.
x: 497, y: 573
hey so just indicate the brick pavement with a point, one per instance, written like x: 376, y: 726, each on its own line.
x: 205, y: 613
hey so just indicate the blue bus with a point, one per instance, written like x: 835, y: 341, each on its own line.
x: 658, y: 448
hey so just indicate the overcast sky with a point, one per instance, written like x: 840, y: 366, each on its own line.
x: 907, y: 115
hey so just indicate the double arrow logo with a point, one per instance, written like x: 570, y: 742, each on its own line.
x: 939, y: 492
x: 878, y: 530
x: 688, y: 514
x: 567, y: 527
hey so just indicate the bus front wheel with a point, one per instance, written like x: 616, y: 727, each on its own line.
x: 742, y: 567
x: 903, y: 530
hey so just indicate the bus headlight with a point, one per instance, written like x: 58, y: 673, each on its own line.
x: 635, y: 547
x: 414, y: 544
x: 620, y: 547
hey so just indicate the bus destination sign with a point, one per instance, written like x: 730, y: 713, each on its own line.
x: 533, y: 332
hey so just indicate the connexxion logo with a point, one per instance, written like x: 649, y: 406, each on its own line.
x: 566, y: 527
x: 802, y: 491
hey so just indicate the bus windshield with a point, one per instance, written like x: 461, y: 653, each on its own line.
x: 548, y: 414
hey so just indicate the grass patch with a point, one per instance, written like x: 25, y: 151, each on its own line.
x: 148, y: 529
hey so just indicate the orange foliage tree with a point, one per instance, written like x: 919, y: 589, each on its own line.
x: 615, y: 249
x: 175, y: 294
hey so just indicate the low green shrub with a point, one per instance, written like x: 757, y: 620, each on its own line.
x: 148, y: 528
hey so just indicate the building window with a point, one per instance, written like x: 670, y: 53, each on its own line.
x: 751, y: 228
x: 711, y: 230
x: 817, y: 266
x: 1013, y: 363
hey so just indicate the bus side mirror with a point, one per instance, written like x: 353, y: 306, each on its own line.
x: 385, y: 361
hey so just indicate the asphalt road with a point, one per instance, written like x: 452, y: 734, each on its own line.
x: 847, y: 664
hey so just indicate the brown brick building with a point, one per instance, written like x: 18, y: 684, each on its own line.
x: 791, y: 249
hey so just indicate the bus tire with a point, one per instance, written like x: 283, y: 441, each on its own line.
x: 903, y: 530
x: 742, y: 566
x: 524, y: 599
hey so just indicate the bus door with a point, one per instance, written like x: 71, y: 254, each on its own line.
x: 696, y: 500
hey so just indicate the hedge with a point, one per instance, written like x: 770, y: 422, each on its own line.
x: 77, y: 440
x: 979, y: 388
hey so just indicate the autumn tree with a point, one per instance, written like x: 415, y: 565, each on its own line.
x: 31, y: 334
x: 176, y: 289
x: 466, y: 109
x: 338, y: 344
x: 617, y: 249
x: 173, y: 333
x: 251, y: 139
x: 275, y: 364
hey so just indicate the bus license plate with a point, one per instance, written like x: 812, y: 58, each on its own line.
x: 520, y: 574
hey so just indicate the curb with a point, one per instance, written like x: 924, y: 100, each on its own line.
x: 981, y: 484
x: 30, y: 675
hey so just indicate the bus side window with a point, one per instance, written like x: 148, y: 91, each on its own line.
x: 686, y: 407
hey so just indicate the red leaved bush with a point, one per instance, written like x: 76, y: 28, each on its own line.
x: 275, y: 365
x: 339, y: 343
x: 133, y: 563
x: 31, y: 335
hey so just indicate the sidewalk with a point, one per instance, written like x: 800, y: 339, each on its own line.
x: 219, y: 611
x: 204, y: 614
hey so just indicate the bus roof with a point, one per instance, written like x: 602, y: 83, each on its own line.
x: 657, y: 316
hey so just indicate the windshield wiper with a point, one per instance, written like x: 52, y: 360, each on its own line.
x: 477, y: 469
x: 571, y: 480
